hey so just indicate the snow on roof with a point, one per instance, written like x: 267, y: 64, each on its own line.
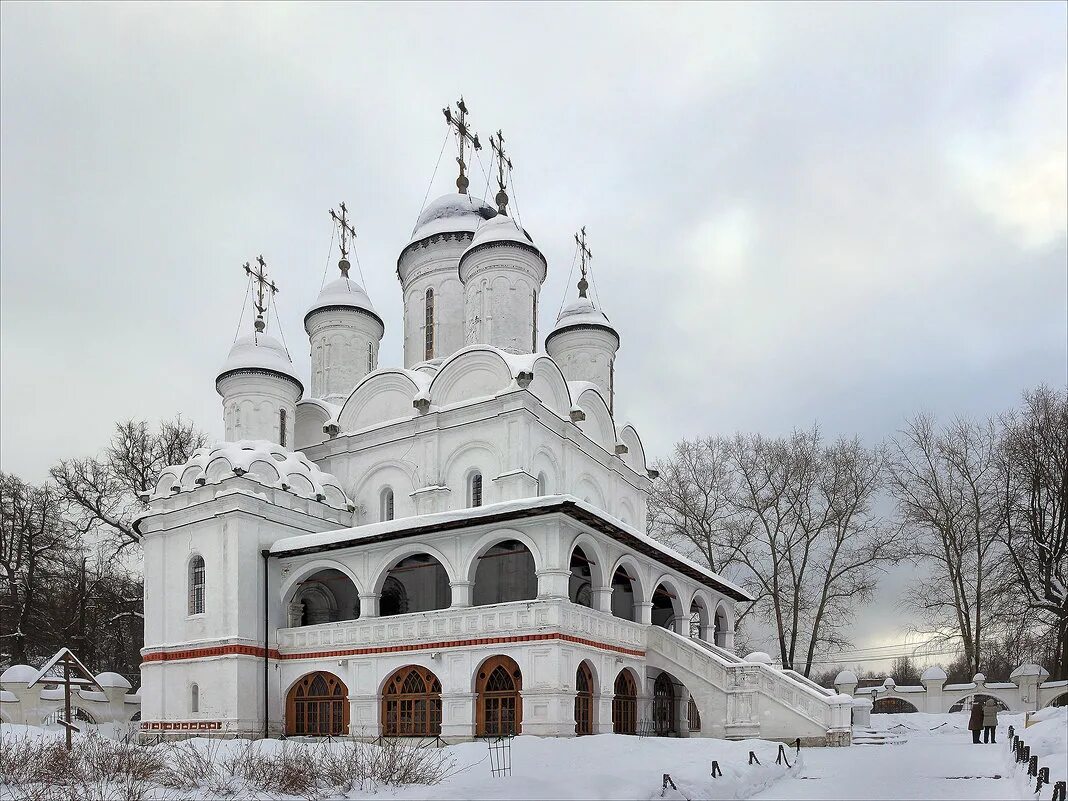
x: 343, y: 292
x: 18, y: 674
x: 258, y: 460
x: 500, y: 229
x: 582, y: 312
x: 259, y: 351
x: 1029, y: 670
x: 523, y: 507
x: 846, y: 677
x: 109, y: 679
x: 933, y: 673
x: 450, y: 214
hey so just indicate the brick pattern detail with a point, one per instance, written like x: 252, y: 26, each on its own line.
x: 252, y: 650
x: 181, y: 725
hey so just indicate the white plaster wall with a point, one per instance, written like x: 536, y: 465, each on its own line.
x: 251, y: 406
x: 586, y: 355
x: 340, y: 339
x: 500, y: 285
x: 433, y: 265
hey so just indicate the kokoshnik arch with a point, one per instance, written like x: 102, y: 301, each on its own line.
x: 450, y: 548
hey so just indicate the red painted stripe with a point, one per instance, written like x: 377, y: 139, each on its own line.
x: 252, y: 650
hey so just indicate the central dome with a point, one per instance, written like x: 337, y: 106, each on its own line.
x: 450, y: 214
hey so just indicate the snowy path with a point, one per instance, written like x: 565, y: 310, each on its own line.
x: 943, y: 764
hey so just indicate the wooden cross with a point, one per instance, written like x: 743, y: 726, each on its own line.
x: 262, y: 286
x: 66, y: 669
x: 502, y: 160
x: 586, y: 255
x: 458, y: 120
x: 346, y: 230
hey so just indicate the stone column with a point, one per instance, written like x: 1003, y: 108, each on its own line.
x: 602, y: 708
x: 295, y: 613
x: 368, y: 604
x: 644, y: 613
x: 461, y: 593
x: 553, y: 583
x: 602, y: 599
x: 457, y: 716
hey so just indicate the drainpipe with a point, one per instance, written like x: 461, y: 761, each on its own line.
x: 266, y: 554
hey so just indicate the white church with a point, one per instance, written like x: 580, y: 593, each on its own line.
x: 450, y: 548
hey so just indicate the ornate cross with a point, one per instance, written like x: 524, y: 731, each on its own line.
x: 346, y: 230
x: 458, y: 120
x: 262, y: 286
x: 502, y: 160
x: 586, y: 255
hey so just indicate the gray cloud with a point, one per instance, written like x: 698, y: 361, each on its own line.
x: 841, y: 213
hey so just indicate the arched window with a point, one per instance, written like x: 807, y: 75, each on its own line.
x: 534, y: 318
x: 541, y: 484
x: 500, y: 706
x: 317, y: 706
x: 583, y: 700
x: 194, y: 698
x: 693, y: 715
x: 196, y: 585
x: 429, y: 324
x: 580, y: 586
x: 505, y: 573
x: 663, y: 705
x: 370, y: 356
x: 625, y: 704
x: 411, y: 704
x: 386, y: 504
x: 282, y: 427
x: 474, y: 490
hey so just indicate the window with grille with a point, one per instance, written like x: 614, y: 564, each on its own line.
x: 370, y: 356
x: 196, y: 585
x: 625, y: 704
x: 693, y: 716
x: 411, y: 704
x: 583, y: 700
x: 534, y: 317
x: 387, y: 504
x: 282, y: 427
x: 317, y: 707
x: 499, y: 702
x: 429, y: 322
x: 475, y: 491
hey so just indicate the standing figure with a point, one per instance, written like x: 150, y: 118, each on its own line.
x: 990, y: 721
x: 975, y: 721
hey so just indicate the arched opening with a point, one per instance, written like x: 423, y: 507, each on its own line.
x: 580, y: 585
x: 316, y: 706
x: 541, y: 484
x: 664, y: 607
x: 386, y: 504
x: 583, y: 700
x: 693, y: 715
x: 416, y: 583
x: 625, y: 704
x: 966, y: 703
x: 505, y: 573
x: 411, y: 704
x: 719, y: 635
x: 194, y: 698
x: 698, y: 618
x: 892, y: 705
x: 325, y: 596
x: 197, y: 581
x: 663, y: 705
x: 500, y: 704
x: 1059, y: 700
x: 623, y: 595
x: 474, y: 490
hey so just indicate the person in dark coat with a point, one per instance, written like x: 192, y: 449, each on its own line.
x: 990, y: 721
x: 975, y: 721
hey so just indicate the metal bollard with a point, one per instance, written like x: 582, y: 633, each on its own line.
x: 1059, y: 791
x: 1032, y: 766
x: 781, y: 756
x: 797, y: 745
x: 716, y: 769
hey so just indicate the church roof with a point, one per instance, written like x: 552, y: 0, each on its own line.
x: 258, y: 351
x: 582, y: 313
x: 452, y: 213
x: 502, y: 512
x: 343, y: 292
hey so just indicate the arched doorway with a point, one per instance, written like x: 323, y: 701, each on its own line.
x: 317, y: 706
x: 580, y: 586
x: 417, y: 583
x: 505, y: 573
x: 411, y: 704
x: 584, y: 700
x: 500, y: 704
x: 893, y: 705
x: 969, y: 701
x: 625, y: 704
x: 663, y: 705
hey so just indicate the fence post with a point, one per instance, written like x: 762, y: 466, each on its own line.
x: 1043, y: 778
x: 1012, y: 729
x: 1032, y: 766
x: 797, y: 745
x: 753, y: 758
x: 1059, y: 791
x: 667, y: 783
x: 716, y: 769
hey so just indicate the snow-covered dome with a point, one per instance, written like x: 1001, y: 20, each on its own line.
x: 501, y: 229
x: 450, y: 214
x: 1029, y: 670
x: 108, y: 679
x: 889, y: 682
x: 582, y: 313
x: 18, y: 674
x: 845, y: 677
x: 260, y: 461
x: 978, y: 678
x: 933, y: 673
x: 759, y: 658
x: 343, y: 292
x: 258, y: 351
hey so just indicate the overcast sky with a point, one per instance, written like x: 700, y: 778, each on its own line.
x: 799, y: 213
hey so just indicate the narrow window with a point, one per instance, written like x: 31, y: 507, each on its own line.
x: 387, y: 504
x: 541, y: 484
x: 534, y: 317
x: 612, y: 386
x: 475, y: 490
x: 196, y: 585
x: 370, y: 357
x: 194, y: 698
x: 282, y: 427
x: 429, y: 324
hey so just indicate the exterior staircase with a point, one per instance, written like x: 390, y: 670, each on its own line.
x: 863, y: 736
x: 741, y: 700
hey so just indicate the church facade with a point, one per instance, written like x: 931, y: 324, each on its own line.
x: 450, y: 548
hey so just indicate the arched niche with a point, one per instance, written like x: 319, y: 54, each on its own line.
x: 598, y: 424
x: 308, y: 427
x: 550, y: 387
x: 381, y: 397
x: 475, y: 372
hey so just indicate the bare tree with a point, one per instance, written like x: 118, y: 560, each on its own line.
x: 946, y: 484
x: 1034, y: 472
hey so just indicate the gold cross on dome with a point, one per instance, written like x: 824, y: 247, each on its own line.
x: 458, y: 121
x: 262, y: 286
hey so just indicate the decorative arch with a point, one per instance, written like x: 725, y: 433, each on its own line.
x: 545, y: 463
x: 723, y: 625
x: 317, y: 706
x: 959, y: 696
x: 411, y: 703
x: 489, y: 539
x: 892, y: 704
x: 625, y: 703
x: 302, y: 572
x: 503, y: 571
x: 595, y: 552
x: 627, y: 514
x: 498, y: 688
x: 380, y: 397
x: 628, y: 589
x: 308, y: 427
x: 590, y: 491
x: 585, y: 684
x: 700, y: 616
x: 1057, y: 700
x: 598, y: 424
x: 474, y: 372
x: 550, y: 387
x: 368, y: 491
x: 477, y: 455
x: 402, y: 552
x: 416, y: 582
x: 634, y: 458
